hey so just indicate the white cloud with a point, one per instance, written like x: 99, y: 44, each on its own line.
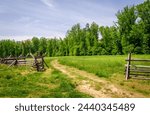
x: 20, y: 38
x: 23, y: 19
x: 48, y: 3
x: 16, y: 38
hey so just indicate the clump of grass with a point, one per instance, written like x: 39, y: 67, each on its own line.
x: 98, y: 87
x: 8, y: 77
x: 122, y: 84
x: 133, y: 87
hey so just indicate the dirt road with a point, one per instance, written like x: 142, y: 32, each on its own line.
x: 91, y: 84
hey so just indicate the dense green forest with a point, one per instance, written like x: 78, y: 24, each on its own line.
x: 131, y: 33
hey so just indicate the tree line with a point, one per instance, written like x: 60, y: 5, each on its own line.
x: 131, y: 33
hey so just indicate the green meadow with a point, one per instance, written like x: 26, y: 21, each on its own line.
x: 25, y: 82
x: 111, y: 68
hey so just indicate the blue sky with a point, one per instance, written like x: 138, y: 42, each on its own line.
x: 23, y: 19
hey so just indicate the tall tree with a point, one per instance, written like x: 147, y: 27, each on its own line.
x: 144, y: 24
x: 126, y: 19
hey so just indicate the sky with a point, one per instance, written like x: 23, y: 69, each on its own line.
x: 23, y: 19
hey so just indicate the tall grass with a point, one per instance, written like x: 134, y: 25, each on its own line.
x: 111, y: 68
x: 103, y: 66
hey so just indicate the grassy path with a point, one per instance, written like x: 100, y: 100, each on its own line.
x: 91, y: 84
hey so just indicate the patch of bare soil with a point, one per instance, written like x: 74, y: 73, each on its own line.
x: 47, y: 72
x: 92, y: 84
x: 26, y: 72
x: 51, y: 86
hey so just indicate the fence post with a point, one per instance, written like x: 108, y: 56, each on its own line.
x: 128, y: 66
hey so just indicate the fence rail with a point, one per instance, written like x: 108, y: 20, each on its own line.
x: 36, y: 62
x: 137, y: 71
x: 147, y: 60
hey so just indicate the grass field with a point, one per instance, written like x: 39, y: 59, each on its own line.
x: 110, y: 68
x: 103, y: 66
x: 23, y: 82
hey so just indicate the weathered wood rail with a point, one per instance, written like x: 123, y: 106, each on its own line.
x: 13, y: 61
x: 39, y: 63
x: 36, y: 62
x: 137, y: 71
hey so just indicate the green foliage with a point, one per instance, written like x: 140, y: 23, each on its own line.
x: 131, y: 33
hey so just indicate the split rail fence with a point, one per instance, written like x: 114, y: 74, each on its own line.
x: 137, y: 71
x: 36, y: 62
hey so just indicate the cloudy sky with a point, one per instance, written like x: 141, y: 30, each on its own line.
x: 23, y: 19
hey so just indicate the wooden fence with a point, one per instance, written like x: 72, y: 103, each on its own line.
x: 13, y: 61
x: 36, y: 62
x: 39, y: 63
x: 137, y: 71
